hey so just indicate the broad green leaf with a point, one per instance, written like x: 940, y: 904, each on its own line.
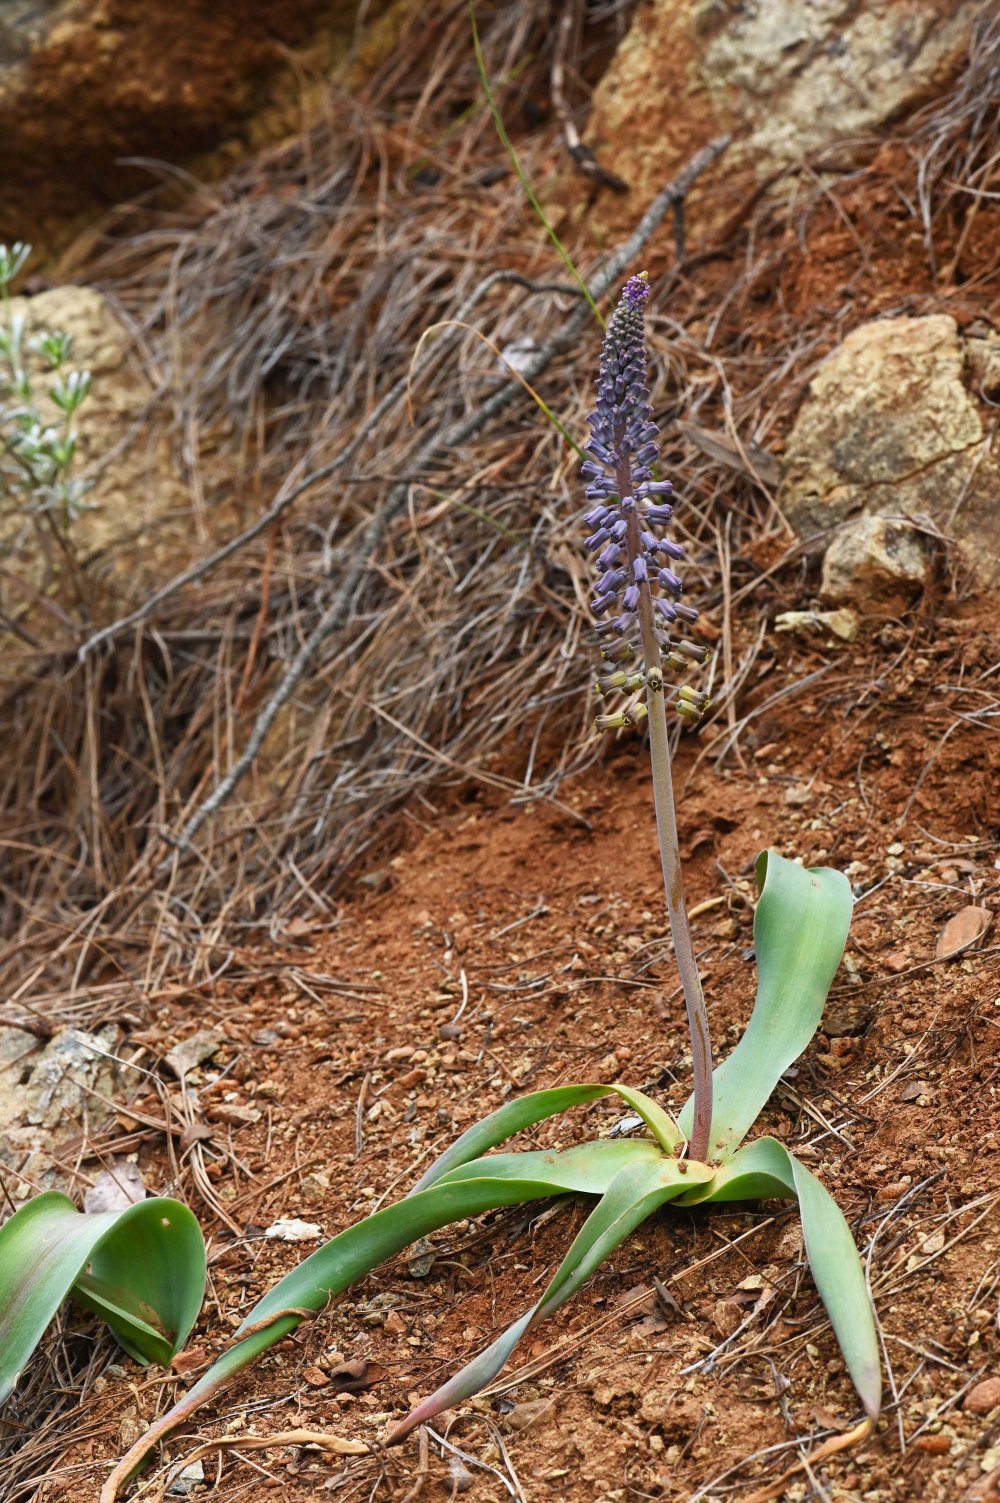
x: 634, y: 1193
x: 800, y: 928
x: 587, y: 1168
x: 117, y: 1304
x: 766, y: 1168
x: 470, y: 1190
x: 146, y: 1275
x: 525, y: 1111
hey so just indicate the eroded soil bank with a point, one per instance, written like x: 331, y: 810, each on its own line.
x: 507, y: 947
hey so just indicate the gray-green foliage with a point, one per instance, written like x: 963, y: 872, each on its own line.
x: 37, y: 448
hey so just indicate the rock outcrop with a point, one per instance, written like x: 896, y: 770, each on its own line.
x: 895, y: 425
x: 89, y: 86
x: 782, y: 79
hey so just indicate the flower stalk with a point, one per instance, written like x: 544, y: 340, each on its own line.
x: 635, y: 580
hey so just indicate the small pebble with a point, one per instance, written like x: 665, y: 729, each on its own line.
x: 983, y: 1398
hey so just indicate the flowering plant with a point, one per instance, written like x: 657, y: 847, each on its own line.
x: 800, y: 927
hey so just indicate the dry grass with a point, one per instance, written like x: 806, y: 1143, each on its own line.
x: 282, y: 309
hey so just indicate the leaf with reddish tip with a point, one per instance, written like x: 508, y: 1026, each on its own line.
x: 633, y: 1195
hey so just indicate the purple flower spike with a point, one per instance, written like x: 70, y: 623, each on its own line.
x: 631, y: 514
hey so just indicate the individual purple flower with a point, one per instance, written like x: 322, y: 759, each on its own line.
x: 631, y: 575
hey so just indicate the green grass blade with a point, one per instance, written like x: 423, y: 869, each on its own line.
x: 765, y: 1168
x: 525, y: 1111
x: 522, y: 176
x: 800, y: 928
x: 360, y: 1248
x: 634, y: 1193
x: 148, y: 1267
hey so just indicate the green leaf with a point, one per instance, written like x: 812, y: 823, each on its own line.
x: 800, y: 928
x: 587, y: 1168
x: 525, y: 1111
x: 468, y: 1190
x: 766, y: 1168
x: 146, y: 1275
x: 634, y: 1193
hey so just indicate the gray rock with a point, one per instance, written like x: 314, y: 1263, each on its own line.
x: 192, y: 1476
x: 45, y: 1096
x: 805, y: 72
x: 783, y: 79
x: 872, y: 559
x: 893, y: 426
x: 115, y: 1189
x: 61, y: 1080
x: 193, y: 1051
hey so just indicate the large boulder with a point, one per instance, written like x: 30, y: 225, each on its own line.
x: 782, y: 79
x: 89, y: 86
x: 895, y: 425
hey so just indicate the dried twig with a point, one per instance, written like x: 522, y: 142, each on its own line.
x: 451, y: 439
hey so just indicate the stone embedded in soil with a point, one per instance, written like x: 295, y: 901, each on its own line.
x: 193, y: 1051
x: 46, y: 1096
x: 966, y: 927
x: 52, y: 1087
x: 842, y: 623
x: 983, y: 1398
x: 115, y: 1189
x: 894, y: 426
x: 291, y: 1229
x: 190, y: 1477
x: 934, y: 1445
x: 872, y: 559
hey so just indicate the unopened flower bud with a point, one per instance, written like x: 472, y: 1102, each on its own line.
x: 692, y: 651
